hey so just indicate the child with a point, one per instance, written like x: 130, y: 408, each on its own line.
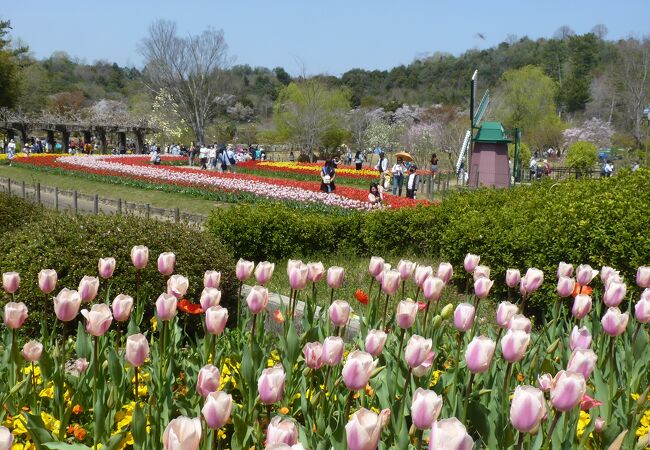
x: 412, y: 182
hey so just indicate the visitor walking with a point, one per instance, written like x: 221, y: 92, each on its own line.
x: 382, y: 167
x: 398, y: 171
x: 11, y: 151
x: 327, y: 175
x: 203, y: 157
x: 358, y: 160
x: 292, y: 157
x: 212, y: 156
x: 434, y: 165
x: 348, y: 157
x: 532, y: 168
x: 635, y: 166
x: 412, y: 181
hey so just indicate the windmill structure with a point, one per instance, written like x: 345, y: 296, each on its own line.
x: 484, y: 152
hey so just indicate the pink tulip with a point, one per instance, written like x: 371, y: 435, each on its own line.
x: 514, y: 345
x: 281, y: 431
x: 216, y: 319
x: 613, y: 278
x: 32, y: 351
x: 513, y: 277
x: 376, y: 266
x: 432, y: 288
x: 182, y: 433
x: 599, y: 424
x: 417, y: 350
x: 66, y: 305
x: 122, y: 305
x: 293, y: 263
x: 445, y: 272
x: 315, y: 271
x: 375, y: 341
x: 545, y: 381
x: 208, y: 381
x: 582, y: 361
x: 643, y: 277
x: 519, y: 322
x: 10, y: 282
x: 140, y: 256
x: 339, y: 313
x: 581, y: 306
x: 98, y: 319
x: 464, y: 316
x: 298, y: 277
x: 270, y: 385
x: 313, y: 352
x: 364, y: 429
x: 479, y: 353
x: 47, y: 279
x: 614, y: 294
x: 357, y: 370
x: 449, y: 434
x: 505, y: 312
x: 405, y: 314
x: 421, y: 274
x: 470, y: 263
x: 6, y: 439
x: 567, y: 390
x: 244, y: 269
x: 606, y: 272
x: 405, y: 268
x: 15, y: 315
x: 390, y: 282
x: 482, y: 287
x: 332, y: 350
x: 216, y: 409
x: 137, y: 349
x: 211, y: 279
x: 614, y: 322
x: 257, y: 299
x: 88, y: 287
x: 209, y: 297
x: 335, y: 277
x: 642, y: 310
x: 380, y: 275
x: 564, y: 270
x: 264, y: 272
x: 166, y: 305
x: 177, y: 286
x: 532, y: 280
x: 580, y: 338
x: 481, y: 272
x: 584, y: 274
x: 565, y: 286
x: 425, y: 408
x: 106, y: 267
x: 166, y: 263
x: 81, y: 365
x: 425, y: 367
x: 527, y: 409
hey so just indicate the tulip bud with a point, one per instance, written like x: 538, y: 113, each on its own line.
x: 140, y: 256
x: 445, y: 272
x: 390, y: 282
x: 15, y: 315
x: 642, y: 310
x: 106, y: 267
x: 315, y: 271
x: 421, y: 274
x: 376, y: 266
x: 581, y: 306
x: 564, y: 270
x: 208, y: 381
x: 514, y: 345
x: 567, y: 390
x: 32, y: 351
x: 313, y: 352
x: 464, y: 316
x: 216, y: 319
x: 88, y: 287
x: 257, y: 299
x: 405, y: 268
x: 182, y: 433
x: 425, y: 408
x: 470, y: 263
x: 298, y: 276
x: 545, y: 381
x: 505, y: 312
x: 332, y: 350
x: 270, y: 385
x: 599, y: 424
x: 565, y: 286
x: 6, y: 439
x: 47, y: 279
x: 66, y: 305
x: 339, y: 313
x: 406, y: 313
x: 216, y: 409
x: 584, y: 274
x: 449, y: 434
x: 582, y: 361
x: 10, y: 282
x: 177, y: 286
x: 211, y: 279
x: 244, y: 269
x: 513, y: 277
x: 614, y: 322
x: 166, y: 263
x: 357, y: 370
x: 520, y: 322
x: 98, y: 319
x: 335, y: 277
x: 166, y: 305
x: 432, y: 288
x: 417, y: 350
x: 122, y: 305
x: 263, y: 272
x: 580, y: 338
x: 210, y: 297
x: 643, y: 277
x: 527, y: 410
x: 482, y: 287
x: 137, y: 349
x: 614, y: 294
x: 531, y: 281
x: 363, y: 431
x: 479, y: 353
x: 481, y: 272
x: 447, y: 311
x: 281, y: 431
x: 375, y: 341
x: 81, y: 365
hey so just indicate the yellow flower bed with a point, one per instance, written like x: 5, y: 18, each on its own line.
x: 298, y: 167
x: 3, y: 156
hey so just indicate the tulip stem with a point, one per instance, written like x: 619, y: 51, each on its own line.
x: 407, y: 385
x: 468, y: 391
x: 399, y: 351
x: 383, y: 321
x: 426, y: 314
x: 34, y: 385
x: 520, y: 442
x: 636, y: 332
x: 420, y: 436
x: 522, y: 305
x: 549, y: 436
x: 348, y: 405
x: 14, y: 360
x: 417, y: 294
x: 95, y: 390
x: 372, y: 280
x: 253, y: 328
x: 403, y: 286
x: 136, y: 385
x: 241, y: 285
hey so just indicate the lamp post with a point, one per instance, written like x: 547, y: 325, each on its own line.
x: 646, y: 113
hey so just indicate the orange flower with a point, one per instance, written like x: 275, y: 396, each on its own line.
x: 284, y: 410
x: 277, y: 316
x: 580, y: 289
x: 78, y: 409
x: 361, y: 297
x: 190, y: 308
x: 520, y: 377
x: 79, y: 433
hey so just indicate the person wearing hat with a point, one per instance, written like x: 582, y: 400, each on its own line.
x: 412, y: 180
x: 11, y: 150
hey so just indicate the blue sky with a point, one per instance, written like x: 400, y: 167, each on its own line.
x: 321, y: 37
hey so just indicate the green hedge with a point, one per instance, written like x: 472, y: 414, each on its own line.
x: 16, y: 213
x: 72, y: 246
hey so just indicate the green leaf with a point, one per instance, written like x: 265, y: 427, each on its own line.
x: 83, y: 347
x: 64, y: 446
x: 37, y: 430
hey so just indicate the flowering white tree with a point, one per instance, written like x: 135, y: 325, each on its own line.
x: 383, y: 135
x: 593, y: 130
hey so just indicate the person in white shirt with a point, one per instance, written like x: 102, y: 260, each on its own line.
x: 212, y: 156
x: 412, y: 181
x: 203, y: 156
x: 398, y: 176
x: 11, y: 151
x: 382, y: 167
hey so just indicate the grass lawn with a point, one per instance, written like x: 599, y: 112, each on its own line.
x: 166, y: 200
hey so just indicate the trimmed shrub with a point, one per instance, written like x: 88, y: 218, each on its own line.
x: 16, y: 213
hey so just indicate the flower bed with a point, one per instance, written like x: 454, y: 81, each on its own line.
x: 309, y: 169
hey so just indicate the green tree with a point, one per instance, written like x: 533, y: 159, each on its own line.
x: 9, y: 70
x: 582, y: 156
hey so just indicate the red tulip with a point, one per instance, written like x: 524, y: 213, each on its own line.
x: 188, y: 307
x: 361, y: 297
